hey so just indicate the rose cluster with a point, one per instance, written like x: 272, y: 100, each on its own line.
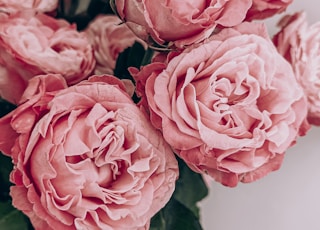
x: 224, y: 98
x: 85, y: 156
x: 218, y: 93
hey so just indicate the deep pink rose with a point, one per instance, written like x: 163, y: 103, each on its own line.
x: 11, y: 6
x: 262, y: 9
x: 230, y: 107
x: 299, y: 43
x: 32, y: 44
x: 189, y: 21
x: 109, y: 37
x: 85, y: 157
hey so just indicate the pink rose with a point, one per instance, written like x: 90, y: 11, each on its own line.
x: 32, y: 44
x: 109, y: 38
x: 299, y: 44
x: 230, y: 107
x: 11, y: 6
x: 190, y: 21
x: 262, y: 9
x: 85, y: 156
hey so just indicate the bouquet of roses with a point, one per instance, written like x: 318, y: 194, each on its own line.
x: 116, y: 115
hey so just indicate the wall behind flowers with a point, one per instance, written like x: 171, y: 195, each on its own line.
x: 287, y: 199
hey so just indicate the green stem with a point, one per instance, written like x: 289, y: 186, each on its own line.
x: 147, y: 57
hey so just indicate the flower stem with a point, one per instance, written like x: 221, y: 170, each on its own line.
x: 147, y: 56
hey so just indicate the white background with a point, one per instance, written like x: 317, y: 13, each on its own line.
x: 288, y: 199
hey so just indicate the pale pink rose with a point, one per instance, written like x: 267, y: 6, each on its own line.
x: 299, y: 43
x: 262, y: 9
x: 32, y: 44
x: 109, y: 37
x: 180, y: 22
x: 230, y: 107
x: 11, y: 6
x: 85, y: 157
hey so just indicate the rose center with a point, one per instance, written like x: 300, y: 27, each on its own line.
x: 106, y: 160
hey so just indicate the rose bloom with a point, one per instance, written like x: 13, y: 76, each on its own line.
x: 85, y: 157
x: 32, y: 44
x: 190, y: 21
x: 299, y: 43
x: 11, y: 6
x: 109, y: 37
x: 229, y: 107
x: 262, y: 9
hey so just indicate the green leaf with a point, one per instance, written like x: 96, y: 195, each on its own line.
x: 147, y: 57
x: 11, y: 218
x: 158, y: 221
x: 97, y: 7
x: 5, y: 107
x: 130, y: 57
x: 190, y: 188
x: 82, y: 12
x: 5, y: 169
x: 175, y: 216
x: 182, y: 212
